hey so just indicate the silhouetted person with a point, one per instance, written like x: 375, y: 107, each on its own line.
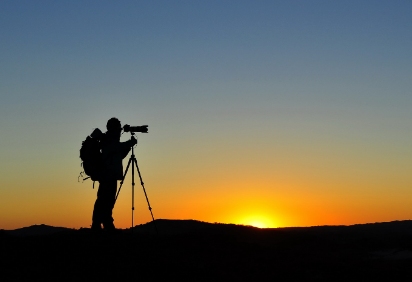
x: 113, y: 153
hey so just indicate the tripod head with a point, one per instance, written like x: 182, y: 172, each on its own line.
x: 134, y: 129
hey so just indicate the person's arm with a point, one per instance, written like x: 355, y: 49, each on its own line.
x: 125, y: 146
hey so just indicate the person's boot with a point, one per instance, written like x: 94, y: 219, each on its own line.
x: 110, y: 228
x: 109, y: 225
x: 96, y: 228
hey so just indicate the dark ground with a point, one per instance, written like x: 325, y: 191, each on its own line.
x: 196, y: 251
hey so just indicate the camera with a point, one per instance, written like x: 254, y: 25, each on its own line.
x: 142, y: 128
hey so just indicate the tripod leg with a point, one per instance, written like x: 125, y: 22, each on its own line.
x: 147, y: 199
x: 124, y: 176
x: 133, y: 162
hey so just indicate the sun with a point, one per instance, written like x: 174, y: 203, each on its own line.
x: 258, y: 221
x: 258, y: 224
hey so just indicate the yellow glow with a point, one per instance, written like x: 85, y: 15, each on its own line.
x: 258, y: 221
x: 258, y: 224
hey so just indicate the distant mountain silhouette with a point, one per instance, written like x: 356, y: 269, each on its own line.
x: 174, y: 227
x: 168, y: 226
x: 36, y: 230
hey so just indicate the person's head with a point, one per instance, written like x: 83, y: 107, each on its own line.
x: 114, y: 125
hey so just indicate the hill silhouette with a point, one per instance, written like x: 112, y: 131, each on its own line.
x: 37, y: 230
x: 189, y: 250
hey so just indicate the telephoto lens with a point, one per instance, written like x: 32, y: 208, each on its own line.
x: 142, y: 128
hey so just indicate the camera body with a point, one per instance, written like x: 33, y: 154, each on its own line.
x: 133, y: 129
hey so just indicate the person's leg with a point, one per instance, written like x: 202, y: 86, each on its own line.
x: 98, y: 211
x: 109, y: 201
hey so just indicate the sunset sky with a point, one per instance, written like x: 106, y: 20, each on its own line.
x: 266, y: 113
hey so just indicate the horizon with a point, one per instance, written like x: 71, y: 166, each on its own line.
x: 267, y: 113
x: 220, y: 223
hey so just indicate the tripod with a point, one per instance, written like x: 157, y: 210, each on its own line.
x: 133, y: 161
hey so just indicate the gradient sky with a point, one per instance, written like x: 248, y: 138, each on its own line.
x: 270, y: 113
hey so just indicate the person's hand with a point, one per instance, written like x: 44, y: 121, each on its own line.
x: 134, y: 140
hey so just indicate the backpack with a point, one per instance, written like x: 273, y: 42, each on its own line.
x: 91, y: 156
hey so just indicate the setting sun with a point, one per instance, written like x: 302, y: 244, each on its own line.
x: 258, y: 224
x: 257, y: 221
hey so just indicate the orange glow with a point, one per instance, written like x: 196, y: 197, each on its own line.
x: 241, y: 197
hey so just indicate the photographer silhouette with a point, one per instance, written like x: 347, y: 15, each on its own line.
x: 113, y: 153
